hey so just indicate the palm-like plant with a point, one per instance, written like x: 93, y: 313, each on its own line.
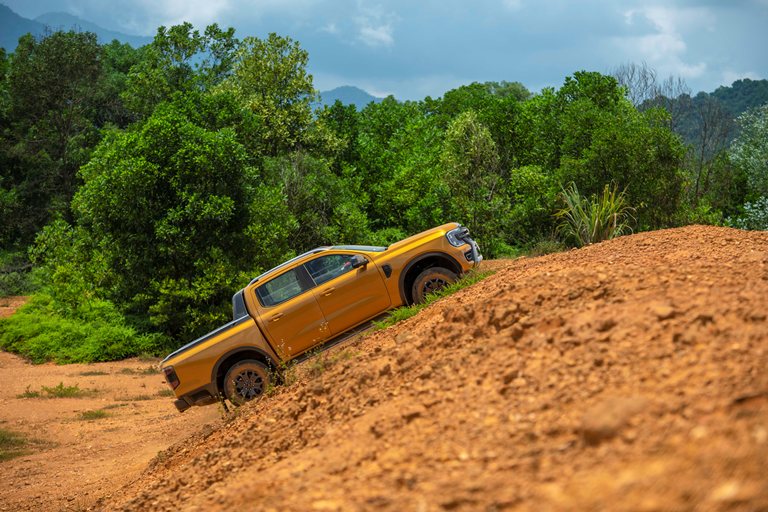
x: 587, y: 220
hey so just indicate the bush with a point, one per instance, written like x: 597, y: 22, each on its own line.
x: 16, y: 275
x: 755, y: 216
x: 594, y: 219
x: 95, y: 332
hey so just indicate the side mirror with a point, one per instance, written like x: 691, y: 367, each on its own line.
x: 358, y: 261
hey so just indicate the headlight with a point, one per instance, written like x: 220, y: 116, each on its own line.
x: 456, y: 236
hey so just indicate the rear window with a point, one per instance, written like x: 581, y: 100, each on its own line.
x: 277, y: 290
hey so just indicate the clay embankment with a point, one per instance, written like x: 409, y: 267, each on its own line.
x: 630, y: 375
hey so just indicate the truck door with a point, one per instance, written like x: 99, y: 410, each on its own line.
x: 290, y: 313
x: 347, y: 295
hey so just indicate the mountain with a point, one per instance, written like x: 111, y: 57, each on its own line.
x: 348, y: 95
x: 13, y: 26
x: 65, y: 21
x: 742, y: 95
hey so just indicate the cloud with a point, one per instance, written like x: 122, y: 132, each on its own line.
x: 665, y: 48
x: 374, y: 26
x: 729, y: 76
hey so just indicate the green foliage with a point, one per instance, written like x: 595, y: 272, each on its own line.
x: 754, y: 216
x: 180, y: 59
x: 51, y: 110
x: 96, y: 414
x: 270, y: 79
x: 44, y: 330
x: 749, y: 151
x: 545, y: 246
x: 168, y: 176
x: 588, y: 220
x: 166, y: 208
x: 471, y: 161
x: 12, y: 444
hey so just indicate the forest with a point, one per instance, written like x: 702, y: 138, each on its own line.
x: 139, y: 188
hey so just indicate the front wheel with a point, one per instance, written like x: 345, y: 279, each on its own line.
x: 429, y: 281
x: 245, y: 381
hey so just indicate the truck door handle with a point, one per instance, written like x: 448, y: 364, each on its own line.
x: 276, y: 317
x: 329, y: 291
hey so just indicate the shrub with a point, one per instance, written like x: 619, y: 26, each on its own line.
x: 755, y: 216
x: 95, y: 331
x: 594, y: 219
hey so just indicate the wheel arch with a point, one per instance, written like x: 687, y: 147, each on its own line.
x: 419, y: 264
x: 229, y: 359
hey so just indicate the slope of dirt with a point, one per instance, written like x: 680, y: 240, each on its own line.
x: 629, y: 375
x: 73, y: 460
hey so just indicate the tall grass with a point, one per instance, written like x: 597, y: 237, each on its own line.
x: 587, y: 220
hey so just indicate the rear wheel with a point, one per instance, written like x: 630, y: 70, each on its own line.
x: 429, y: 281
x: 246, y: 381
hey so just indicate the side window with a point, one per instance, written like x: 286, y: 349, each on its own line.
x: 325, y: 268
x: 283, y: 287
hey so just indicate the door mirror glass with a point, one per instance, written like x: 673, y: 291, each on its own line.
x: 358, y: 260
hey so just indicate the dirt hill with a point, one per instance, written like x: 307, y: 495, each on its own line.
x: 629, y: 375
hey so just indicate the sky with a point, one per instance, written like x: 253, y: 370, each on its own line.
x: 419, y: 48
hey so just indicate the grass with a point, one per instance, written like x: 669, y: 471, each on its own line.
x: 546, y: 246
x: 137, y: 398
x: 406, y: 312
x: 12, y: 445
x: 28, y: 393
x: 93, y: 373
x: 57, y: 391
x: 94, y: 415
x: 62, y: 391
x: 149, y: 370
x: 587, y: 220
x: 321, y: 360
x: 166, y: 393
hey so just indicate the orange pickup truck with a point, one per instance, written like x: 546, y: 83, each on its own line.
x: 308, y: 301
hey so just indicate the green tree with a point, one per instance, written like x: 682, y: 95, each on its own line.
x: 167, y: 205
x: 52, y: 86
x: 749, y: 152
x: 270, y: 79
x: 471, y: 161
x: 179, y: 59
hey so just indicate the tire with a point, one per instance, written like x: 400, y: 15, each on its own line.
x: 247, y: 380
x: 430, y: 281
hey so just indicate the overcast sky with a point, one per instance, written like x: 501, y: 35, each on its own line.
x: 415, y: 48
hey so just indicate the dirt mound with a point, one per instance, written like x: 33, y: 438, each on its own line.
x: 626, y: 375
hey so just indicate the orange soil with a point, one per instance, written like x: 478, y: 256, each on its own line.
x: 74, y: 461
x: 629, y: 375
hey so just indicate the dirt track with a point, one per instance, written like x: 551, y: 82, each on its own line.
x: 76, y: 460
x: 630, y: 375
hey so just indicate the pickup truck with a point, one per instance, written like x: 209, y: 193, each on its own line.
x: 308, y: 301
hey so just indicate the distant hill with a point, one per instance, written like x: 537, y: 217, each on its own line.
x: 707, y: 121
x: 64, y: 21
x: 13, y: 26
x: 742, y: 95
x: 348, y: 95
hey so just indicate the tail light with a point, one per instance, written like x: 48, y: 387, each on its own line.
x: 170, y: 377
